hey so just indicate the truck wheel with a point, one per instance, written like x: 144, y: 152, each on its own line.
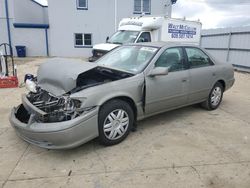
x: 214, y: 98
x: 115, y: 121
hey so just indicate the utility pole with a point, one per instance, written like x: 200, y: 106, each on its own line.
x: 8, y: 25
x: 115, y: 15
x: 168, y: 6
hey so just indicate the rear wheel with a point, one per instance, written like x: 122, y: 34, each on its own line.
x: 214, y: 98
x: 115, y: 121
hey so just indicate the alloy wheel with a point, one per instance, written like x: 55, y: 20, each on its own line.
x: 116, y: 124
x: 216, y: 96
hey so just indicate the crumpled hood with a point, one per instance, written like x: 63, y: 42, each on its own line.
x: 59, y: 75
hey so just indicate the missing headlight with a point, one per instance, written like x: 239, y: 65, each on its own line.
x: 57, y: 108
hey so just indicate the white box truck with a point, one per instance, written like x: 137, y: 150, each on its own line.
x: 149, y: 29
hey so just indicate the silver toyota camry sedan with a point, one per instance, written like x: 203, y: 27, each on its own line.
x: 70, y: 102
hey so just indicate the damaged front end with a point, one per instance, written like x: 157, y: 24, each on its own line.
x: 50, y: 115
x: 54, y: 122
x: 50, y: 93
x: 54, y: 109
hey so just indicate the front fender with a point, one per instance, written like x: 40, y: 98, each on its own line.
x: 98, y: 95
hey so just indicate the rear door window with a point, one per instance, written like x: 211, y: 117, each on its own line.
x: 197, y: 58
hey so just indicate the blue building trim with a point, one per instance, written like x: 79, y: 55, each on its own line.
x: 31, y: 25
x: 47, y: 41
x: 8, y: 25
x: 36, y: 26
x: 44, y: 6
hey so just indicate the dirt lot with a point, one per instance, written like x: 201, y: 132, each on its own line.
x: 189, y: 147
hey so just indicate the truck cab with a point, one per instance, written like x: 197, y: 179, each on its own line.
x: 129, y: 36
x: 119, y: 38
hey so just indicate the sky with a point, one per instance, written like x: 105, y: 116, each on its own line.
x: 214, y: 13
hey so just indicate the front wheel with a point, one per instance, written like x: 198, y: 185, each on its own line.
x: 115, y: 121
x: 214, y: 98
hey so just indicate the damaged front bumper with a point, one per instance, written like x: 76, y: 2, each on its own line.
x: 59, y: 135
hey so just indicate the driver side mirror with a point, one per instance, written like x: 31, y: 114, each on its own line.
x: 107, y: 39
x: 158, y: 71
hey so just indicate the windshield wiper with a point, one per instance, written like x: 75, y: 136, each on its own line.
x: 116, y: 42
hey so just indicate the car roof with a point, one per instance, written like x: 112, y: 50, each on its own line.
x: 162, y: 44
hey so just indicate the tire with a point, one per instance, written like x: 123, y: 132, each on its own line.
x: 214, y: 98
x: 115, y: 121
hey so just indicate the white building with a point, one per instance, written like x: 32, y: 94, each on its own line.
x: 24, y: 22
x: 55, y: 31
x: 90, y: 21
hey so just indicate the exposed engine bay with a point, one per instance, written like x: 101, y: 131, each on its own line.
x: 56, y: 108
x: 98, y: 75
x: 63, y: 108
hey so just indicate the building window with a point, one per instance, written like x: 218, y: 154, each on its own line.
x: 142, y: 6
x: 87, y: 39
x: 82, y: 4
x: 78, y: 39
x: 83, y: 40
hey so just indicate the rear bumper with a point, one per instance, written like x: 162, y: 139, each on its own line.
x: 61, y: 135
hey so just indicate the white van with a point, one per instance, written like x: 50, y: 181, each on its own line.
x: 149, y: 29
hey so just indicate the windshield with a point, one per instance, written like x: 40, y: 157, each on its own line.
x: 124, y: 37
x: 131, y: 59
